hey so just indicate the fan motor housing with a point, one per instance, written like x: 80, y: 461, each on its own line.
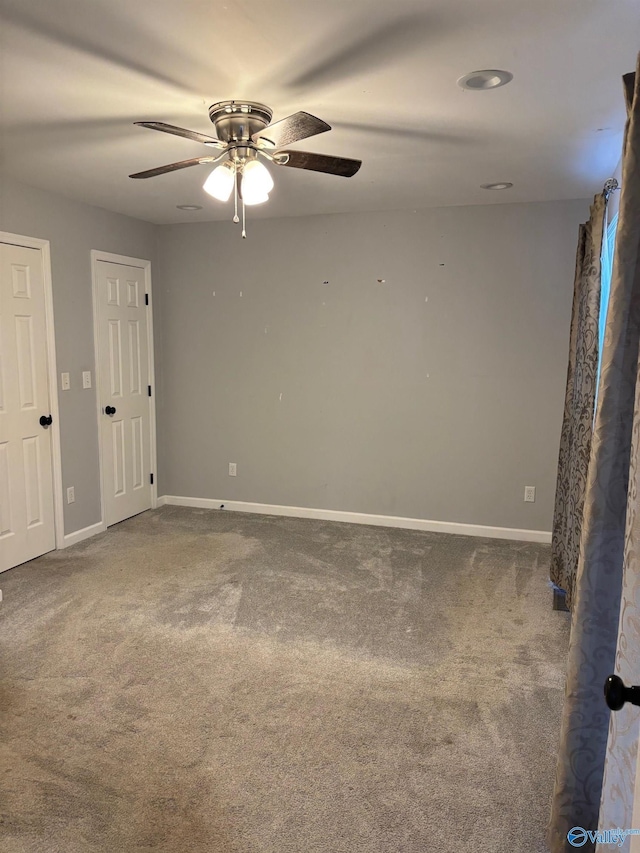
x: 237, y: 121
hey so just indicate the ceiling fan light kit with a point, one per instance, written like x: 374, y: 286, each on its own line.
x: 244, y: 133
x: 257, y: 183
x: 220, y: 182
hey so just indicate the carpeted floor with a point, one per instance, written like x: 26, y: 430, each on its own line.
x: 199, y: 681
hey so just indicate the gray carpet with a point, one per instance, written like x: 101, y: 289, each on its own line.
x: 198, y: 680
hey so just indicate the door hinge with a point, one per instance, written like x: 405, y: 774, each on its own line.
x: 151, y: 476
x: 149, y: 387
x: 146, y: 299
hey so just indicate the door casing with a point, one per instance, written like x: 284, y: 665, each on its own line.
x: 145, y: 265
x: 44, y: 248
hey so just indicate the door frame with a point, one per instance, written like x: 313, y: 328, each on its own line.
x: 145, y: 265
x: 43, y: 246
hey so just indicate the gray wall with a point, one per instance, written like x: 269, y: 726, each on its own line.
x: 73, y: 230
x: 435, y: 394
x: 441, y: 409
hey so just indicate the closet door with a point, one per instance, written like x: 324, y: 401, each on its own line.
x: 124, y: 389
x: 26, y: 478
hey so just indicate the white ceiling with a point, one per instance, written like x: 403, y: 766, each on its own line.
x: 76, y: 74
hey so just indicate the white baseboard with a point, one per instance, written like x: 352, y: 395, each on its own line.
x: 521, y: 535
x: 84, y: 533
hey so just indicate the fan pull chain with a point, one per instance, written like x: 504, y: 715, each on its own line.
x: 235, y: 192
x: 244, y: 233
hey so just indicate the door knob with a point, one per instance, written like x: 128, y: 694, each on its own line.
x: 616, y: 694
x: 109, y: 410
x: 46, y: 421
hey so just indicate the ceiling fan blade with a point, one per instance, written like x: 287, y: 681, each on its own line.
x: 320, y: 163
x: 181, y: 131
x: 173, y: 167
x: 291, y: 129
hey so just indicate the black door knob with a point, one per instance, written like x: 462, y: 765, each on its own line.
x: 616, y: 694
x: 110, y: 410
x: 46, y: 421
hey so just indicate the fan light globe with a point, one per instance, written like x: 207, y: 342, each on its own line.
x: 251, y: 197
x: 257, y: 183
x: 219, y: 184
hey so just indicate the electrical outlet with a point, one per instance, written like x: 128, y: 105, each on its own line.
x: 86, y: 379
x: 529, y: 494
x: 65, y: 382
x: 233, y: 469
x: 71, y: 495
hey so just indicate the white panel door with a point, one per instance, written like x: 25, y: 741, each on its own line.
x: 123, y: 383
x: 26, y: 478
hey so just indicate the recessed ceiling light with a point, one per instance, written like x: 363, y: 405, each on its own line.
x: 189, y: 206
x: 479, y: 81
x: 505, y: 185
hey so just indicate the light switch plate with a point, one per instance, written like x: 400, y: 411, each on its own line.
x: 65, y: 382
x: 86, y: 379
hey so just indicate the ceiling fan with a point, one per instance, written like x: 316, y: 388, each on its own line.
x: 245, y: 134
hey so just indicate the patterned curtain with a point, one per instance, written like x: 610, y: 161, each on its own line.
x: 599, y: 580
x: 575, y: 439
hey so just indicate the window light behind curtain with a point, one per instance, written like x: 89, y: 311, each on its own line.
x: 608, y: 245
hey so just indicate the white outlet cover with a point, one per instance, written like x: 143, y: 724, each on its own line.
x: 86, y: 379
x: 65, y: 381
x: 233, y: 470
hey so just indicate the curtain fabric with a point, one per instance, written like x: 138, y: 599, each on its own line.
x: 616, y: 808
x: 599, y: 580
x: 575, y: 438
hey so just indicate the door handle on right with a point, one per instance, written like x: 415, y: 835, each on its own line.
x: 109, y: 410
x: 616, y: 693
